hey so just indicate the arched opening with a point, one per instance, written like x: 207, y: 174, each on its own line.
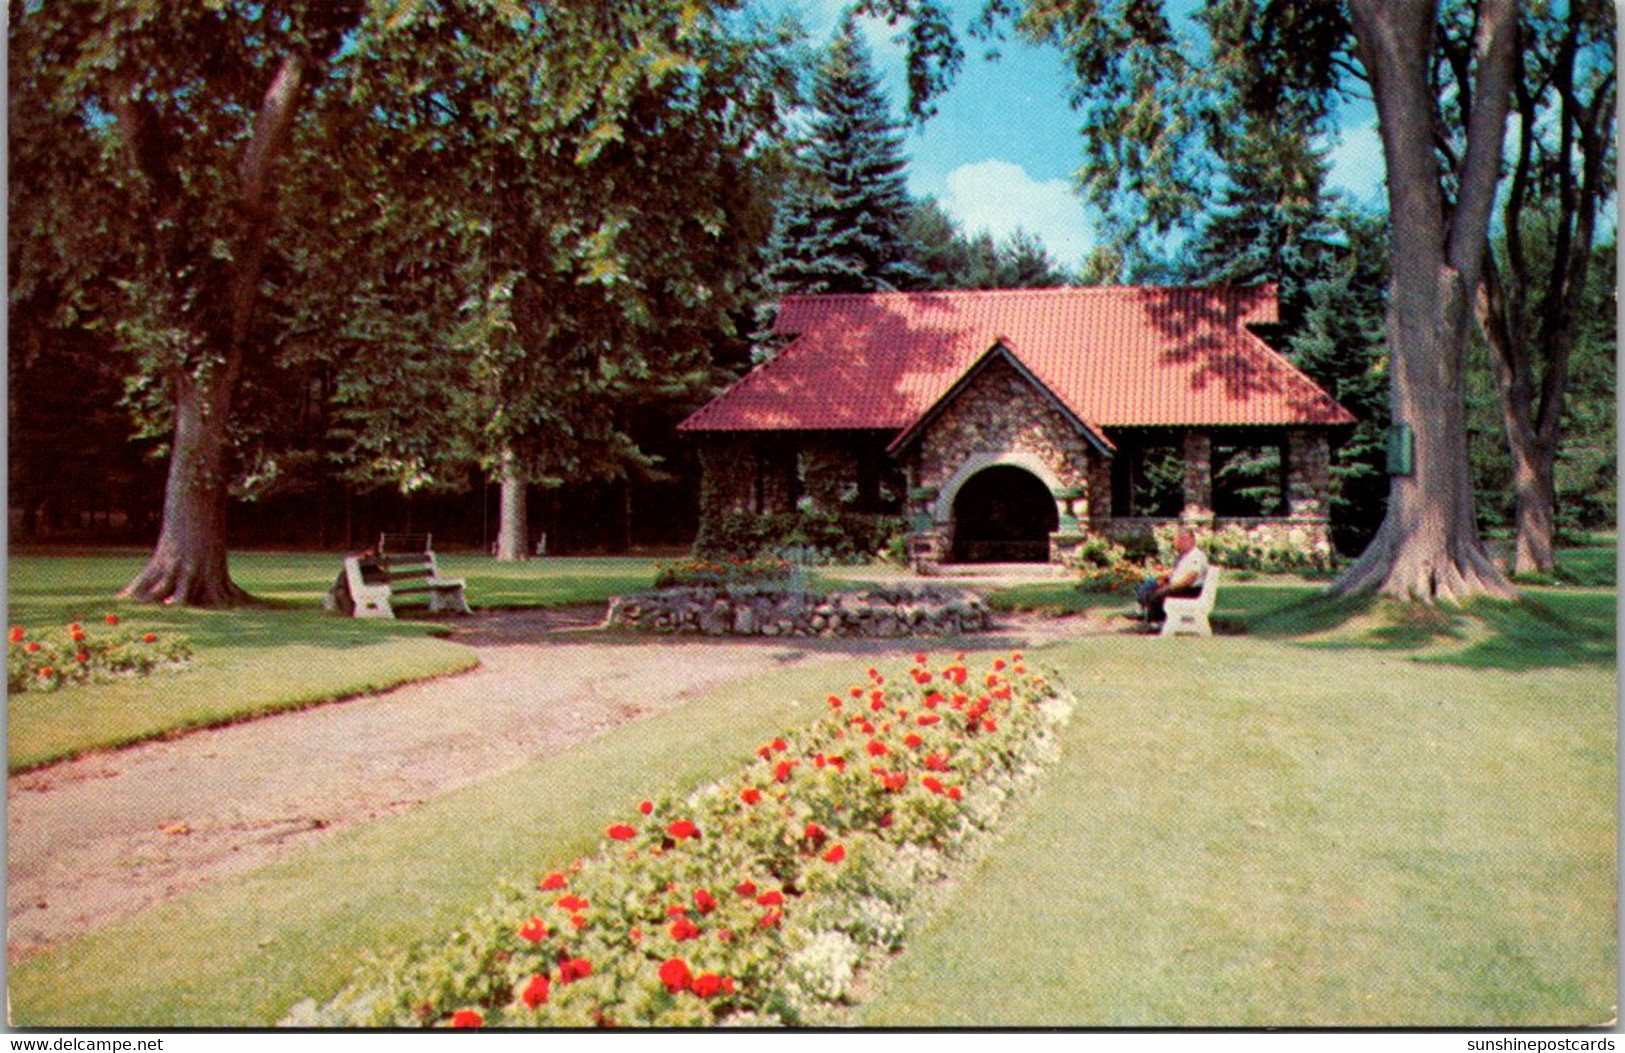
x: 1003, y: 514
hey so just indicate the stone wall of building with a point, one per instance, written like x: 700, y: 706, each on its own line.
x: 1001, y: 418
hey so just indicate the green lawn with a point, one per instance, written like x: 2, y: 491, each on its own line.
x: 281, y: 655
x: 1396, y: 824
x: 1260, y: 833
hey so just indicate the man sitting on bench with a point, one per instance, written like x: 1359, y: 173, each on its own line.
x: 1185, y: 580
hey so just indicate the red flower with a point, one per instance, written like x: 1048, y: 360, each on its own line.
x: 925, y: 720
x: 533, y: 930
x: 683, y: 929
x: 934, y: 699
x: 683, y: 828
x: 838, y: 763
x: 646, y: 807
x: 574, y: 969
x: 466, y: 1018
x: 17, y: 633
x: 955, y: 793
x: 920, y: 658
x: 621, y: 832
x: 578, y: 921
x: 989, y: 724
x: 895, y: 781
x: 835, y: 854
x: 781, y: 772
x: 78, y: 635
x: 814, y: 832
x: 46, y: 671
x: 834, y: 702
x: 675, y: 975
x: 876, y: 748
x: 746, y: 888
x: 932, y: 783
x: 149, y: 638
x: 877, y: 701
x: 779, y: 745
x: 33, y: 647
x: 750, y: 795
x: 770, y: 919
x: 553, y: 881
x: 706, y: 985
x: 704, y: 902
x: 111, y: 619
x: 82, y: 657
x: 912, y: 740
x: 535, y: 992
x: 771, y: 899
x: 936, y: 762
x: 874, y: 674
x: 857, y: 692
x: 572, y: 902
x: 998, y: 664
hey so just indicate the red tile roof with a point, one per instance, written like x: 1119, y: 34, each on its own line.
x: 1113, y: 356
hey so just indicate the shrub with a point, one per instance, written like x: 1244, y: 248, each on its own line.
x: 758, y: 900
x: 803, y: 536
x: 1102, y: 565
x: 1236, y: 548
x: 45, y: 661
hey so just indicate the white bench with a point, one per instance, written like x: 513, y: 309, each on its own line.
x: 404, y: 569
x: 1189, y: 615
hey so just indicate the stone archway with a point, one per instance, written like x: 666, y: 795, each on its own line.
x: 1003, y: 514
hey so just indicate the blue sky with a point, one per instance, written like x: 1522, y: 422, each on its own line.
x: 1002, y: 149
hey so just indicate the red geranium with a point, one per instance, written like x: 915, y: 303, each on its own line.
x: 746, y: 888
x: 683, y: 828
x: 704, y: 902
x: 553, y: 881
x: 17, y: 633
x: 535, y: 992
x: 646, y: 807
x: 675, y: 975
x: 912, y: 740
x: 781, y: 771
x: 33, y: 647
x: 149, y: 638
x: 533, y: 930
x: 572, y: 902
x: 111, y: 619
x: 466, y: 1018
x: 814, y: 832
x: 750, y: 795
x: 932, y: 783
x: 925, y: 720
x: 876, y: 748
x: 771, y: 899
x: 683, y: 929
x: 706, y: 985
x: 574, y: 969
x: 835, y: 854
x: 771, y: 919
x: 621, y: 832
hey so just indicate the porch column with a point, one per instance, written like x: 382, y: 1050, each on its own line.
x: 1198, y: 479
x: 1308, y: 481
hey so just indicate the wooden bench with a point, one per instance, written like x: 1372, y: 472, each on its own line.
x: 401, y: 570
x: 1190, y: 615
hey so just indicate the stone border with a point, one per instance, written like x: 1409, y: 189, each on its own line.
x: 755, y: 611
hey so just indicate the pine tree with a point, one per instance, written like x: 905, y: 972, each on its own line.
x: 842, y: 229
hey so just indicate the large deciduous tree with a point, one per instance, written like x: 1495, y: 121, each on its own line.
x: 1132, y: 71
x: 1529, y: 303
x: 586, y: 207
x: 181, y: 115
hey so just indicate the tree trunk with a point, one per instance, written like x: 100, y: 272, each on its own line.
x: 188, y: 565
x: 1428, y: 547
x: 513, y: 525
x: 1534, y: 492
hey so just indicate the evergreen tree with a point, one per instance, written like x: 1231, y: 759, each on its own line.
x: 948, y: 258
x: 842, y: 229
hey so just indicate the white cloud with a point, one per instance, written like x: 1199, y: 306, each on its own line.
x: 1000, y: 198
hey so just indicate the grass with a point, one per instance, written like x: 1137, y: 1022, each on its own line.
x: 1266, y: 835
x: 281, y: 655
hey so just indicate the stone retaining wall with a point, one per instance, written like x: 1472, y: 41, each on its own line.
x: 746, y: 611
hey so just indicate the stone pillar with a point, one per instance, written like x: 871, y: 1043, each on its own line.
x: 1198, y: 479
x: 727, y: 475
x: 1309, y: 481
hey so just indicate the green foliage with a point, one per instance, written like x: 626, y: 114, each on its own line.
x: 801, y: 536
x: 758, y: 570
x: 948, y: 258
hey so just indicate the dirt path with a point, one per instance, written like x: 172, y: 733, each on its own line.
x: 94, y: 840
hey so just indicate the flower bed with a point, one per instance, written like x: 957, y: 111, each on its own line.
x: 757, y: 901
x: 46, y: 660
x: 758, y: 570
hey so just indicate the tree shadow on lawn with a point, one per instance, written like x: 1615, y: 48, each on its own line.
x: 1550, y: 631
